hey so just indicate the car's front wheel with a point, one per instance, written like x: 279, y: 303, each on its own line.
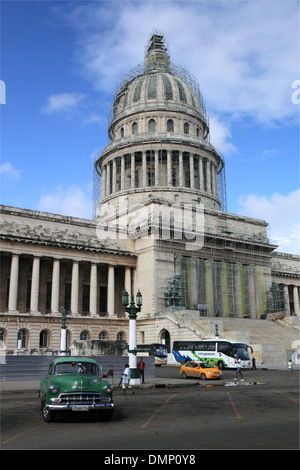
x: 48, y: 415
x: 203, y: 376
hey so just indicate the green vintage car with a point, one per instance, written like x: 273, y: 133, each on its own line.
x: 75, y: 384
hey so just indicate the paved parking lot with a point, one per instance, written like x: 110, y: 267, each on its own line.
x: 197, y: 416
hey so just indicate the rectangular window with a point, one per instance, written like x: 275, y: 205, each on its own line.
x: 28, y: 294
x: 48, y: 295
x: 68, y: 296
x: 85, y: 298
x: 103, y: 299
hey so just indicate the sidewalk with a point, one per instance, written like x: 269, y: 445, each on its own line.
x: 20, y: 386
x: 32, y: 386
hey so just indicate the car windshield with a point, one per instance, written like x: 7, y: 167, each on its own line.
x: 76, y: 368
x: 242, y: 351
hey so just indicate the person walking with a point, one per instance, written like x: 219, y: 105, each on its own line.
x: 141, y: 367
x: 126, y: 380
x: 253, y: 363
x: 290, y: 367
x: 238, y: 369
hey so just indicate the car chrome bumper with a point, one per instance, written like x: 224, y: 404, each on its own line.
x: 70, y: 407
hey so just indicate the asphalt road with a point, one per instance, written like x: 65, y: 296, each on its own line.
x: 263, y: 414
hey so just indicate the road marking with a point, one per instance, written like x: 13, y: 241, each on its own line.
x: 237, y: 414
x: 285, y: 395
x: 22, y: 434
x: 157, y: 411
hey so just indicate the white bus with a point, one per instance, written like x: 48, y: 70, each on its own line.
x: 159, y: 351
x: 215, y: 352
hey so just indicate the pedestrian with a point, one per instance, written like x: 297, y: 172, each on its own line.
x: 290, y: 367
x: 253, y: 363
x: 238, y: 368
x: 126, y: 380
x: 141, y: 367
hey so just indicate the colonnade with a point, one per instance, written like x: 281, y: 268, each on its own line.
x: 295, y: 299
x: 150, y: 168
x: 51, y: 302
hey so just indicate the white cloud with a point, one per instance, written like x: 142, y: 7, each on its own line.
x: 73, y: 201
x: 243, y: 54
x: 282, y: 214
x: 63, y: 102
x: 220, y: 135
x: 9, y: 170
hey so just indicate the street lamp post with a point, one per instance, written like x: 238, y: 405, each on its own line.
x: 63, y: 334
x: 132, y: 309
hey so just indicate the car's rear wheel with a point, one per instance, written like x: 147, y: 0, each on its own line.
x: 48, y: 415
x: 183, y: 375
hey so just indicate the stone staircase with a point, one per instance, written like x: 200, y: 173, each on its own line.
x: 272, y: 341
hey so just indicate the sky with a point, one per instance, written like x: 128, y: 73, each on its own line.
x: 61, y: 62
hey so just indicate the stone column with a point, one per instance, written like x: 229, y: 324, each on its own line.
x: 128, y: 281
x: 237, y: 292
x: 93, y: 290
x: 192, y: 185
x: 132, y: 171
x: 55, y: 287
x: 144, y: 166
x: 208, y: 176
x: 286, y: 299
x: 107, y: 192
x: 169, y: 168
x: 201, y: 173
x: 122, y: 172
x: 296, y: 300
x: 111, y: 290
x: 13, y: 284
x: 75, y: 288
x: 103, y: 182
x: 180, y: 168
x: 251, y: 287
x: 156, y: 168
x: 114, y: 176
x: 35, y: 285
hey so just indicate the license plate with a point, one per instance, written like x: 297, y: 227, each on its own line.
x: 80, y: 408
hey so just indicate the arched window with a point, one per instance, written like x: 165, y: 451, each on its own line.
x: 24, y: 338
x: 120, y: 336
x: 2, y: 337
x: 186, y: 128
x: 134, y: 128
x: 44, y: 339
x: 103, y: 335
x: 151, y: 125
x: 170, y: 125
x: 84, y: 335
x: 122, y: 132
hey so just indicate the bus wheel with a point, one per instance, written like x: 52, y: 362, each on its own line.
x: 221, y: 365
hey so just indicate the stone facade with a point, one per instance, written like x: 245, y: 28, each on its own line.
x: 160, y: 226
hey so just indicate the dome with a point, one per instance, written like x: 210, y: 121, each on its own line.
x: 159, y: 139
x: 158, y: 85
